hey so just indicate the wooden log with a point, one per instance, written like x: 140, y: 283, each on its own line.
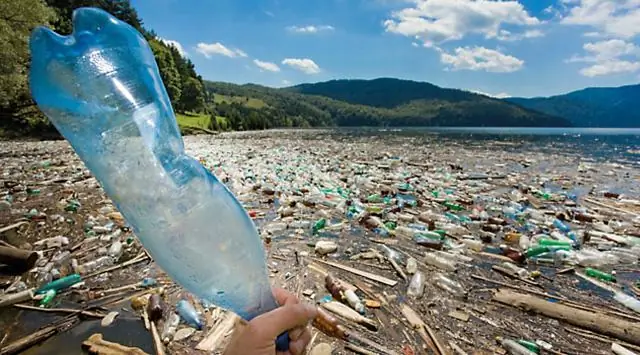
x: 13, y: 298
x: 96, y: 345
x: 595, y: 321
x: 18, y: 258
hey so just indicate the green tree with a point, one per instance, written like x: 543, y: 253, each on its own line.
x: 121, y: 9
x: 17, y: 19
x: 192, y: 98
x: 168, y: 70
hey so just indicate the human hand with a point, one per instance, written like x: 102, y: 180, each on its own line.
x: 259, y: 335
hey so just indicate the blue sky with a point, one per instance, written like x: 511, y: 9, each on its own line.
x: 517, y: 48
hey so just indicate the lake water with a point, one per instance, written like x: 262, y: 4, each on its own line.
x: 613, y: 144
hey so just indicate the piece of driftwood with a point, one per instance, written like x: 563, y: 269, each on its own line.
x: 348, y: 313
x: 596, y: 321
x: 60, y: 310
x: 96, y: 345
x: 358, y: 350
x: 18, y: 258
x: 158, y: 345
x: 425, y: 332
x: 39, y: 336
x: 398, y: 269
x: 216, y: 336
x: 12, y: 226
x: 614, y: 208
x: 13, y: 298
x: 370, y: 276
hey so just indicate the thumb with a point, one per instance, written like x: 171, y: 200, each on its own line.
x: 274, y: 323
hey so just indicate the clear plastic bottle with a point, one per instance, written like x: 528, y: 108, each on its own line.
x: 101, y: 88
x: 416, y: 286
x: 439, y: 262
x: 449, y: 285
x: 628, y: 301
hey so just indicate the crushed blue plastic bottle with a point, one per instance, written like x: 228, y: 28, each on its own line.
x: 188, y: 313
x: 101, y: 88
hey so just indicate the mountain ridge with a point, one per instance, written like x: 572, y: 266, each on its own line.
x: 614, y: 107
x: 380, y: 102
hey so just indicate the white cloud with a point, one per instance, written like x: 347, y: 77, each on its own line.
x: 266, y: 65
x: 610, y: 67
x: 437, y: 21
x: 209, y: 49
x: 286, y: 82
x: 612, y: 56
x: 309, y: 29
x: 502, y: 95
x: 620, y: 18
x: 481, y: 58
x: 176, y: 44
x: 505, y: 35
x: 305, y: 65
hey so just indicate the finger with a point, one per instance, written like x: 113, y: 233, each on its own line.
x: 298, y: 347
x: 296, y: 333
x: 284, y: 297
x: 271, y: 324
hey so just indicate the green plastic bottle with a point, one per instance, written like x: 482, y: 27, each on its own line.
x: 529, y: 345
x: 554, y: 243
x: 453, y: 206
x: 319, y: 225
x: 60, y: 284
x: 48, y: 297
x: 374, y: 198
x: 535, y: 251
x: 391, y: 225
x: 597, y: 274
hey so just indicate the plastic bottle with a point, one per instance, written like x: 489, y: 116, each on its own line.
x: 561, y: 226
x: 319, y: 225
x: 412, y: 266
x: 61, y: 257
x: 449, y: 285
x: 536, y: 250
x: 430, y: 243
x: 597, y: 274
x: 441, y: 263
x: 514, y: 348
x: 115, y: 250
x: 112, y: 107
x: 553, y: 243
x: 354, y: 301
x: 188, y: 314
x: 170, y: 327
x: 516, y: 269
x: 49, y: 295
x: 60, y: 284
x: 628, y: 301
x: 529, y: 345
x: 416, y: 285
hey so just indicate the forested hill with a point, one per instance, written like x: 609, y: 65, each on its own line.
x: 591, y: 107
x: 18, y: 113
x: 380, y: 102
